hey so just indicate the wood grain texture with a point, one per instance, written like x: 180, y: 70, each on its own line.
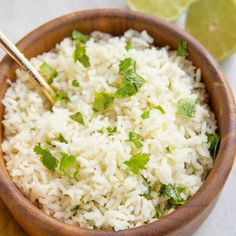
x: 8, y: 225
x: 189, y: 216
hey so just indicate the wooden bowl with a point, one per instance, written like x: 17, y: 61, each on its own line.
x: 188, y: 217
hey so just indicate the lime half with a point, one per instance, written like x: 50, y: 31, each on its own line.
x: 165, y: 9
x: 213, y: 23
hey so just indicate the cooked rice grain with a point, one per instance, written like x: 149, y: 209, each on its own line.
x: 108, y: 196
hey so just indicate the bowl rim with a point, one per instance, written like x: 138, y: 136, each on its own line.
x: 214, y: 181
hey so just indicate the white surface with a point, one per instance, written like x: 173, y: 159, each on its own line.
x: 18, y: 17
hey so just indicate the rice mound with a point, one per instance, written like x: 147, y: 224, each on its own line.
x: 106, y: 195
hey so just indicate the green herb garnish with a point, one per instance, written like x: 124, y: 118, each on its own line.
x: 102, y: 101
x: 49, y: 143
x: 100, y: 131
x: 147, y: 195
x: 75, y: 208
x: 48, y: 160
x: 187, y: 107
x: 67, y: 161
x: 159, y: 212
x: 76, y: 35
x: 182, y: 50
x: 137, y: 162
x: 80, y: 55
x: 75, y: 83
x: 49, y: 72
x: 135, y: 139
x: 213, y: 140
x: 76, y: 173
x: 126, y: 90
x: 128, y: 46
x: 159, y: 108
x: 146, y: 114
x: 127, y: 65
x: 62, y: 96
x: 78, y: 118
x: 173, y: 192
x: 131, y: 82
x: 61, y: 139
x: 111, y: 130
x: 168, y: 149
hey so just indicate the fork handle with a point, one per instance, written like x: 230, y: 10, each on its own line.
x: 24, y: 63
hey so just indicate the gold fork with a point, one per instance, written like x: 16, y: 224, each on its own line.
x: 38, y: 81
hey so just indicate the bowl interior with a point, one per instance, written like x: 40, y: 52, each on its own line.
x: 116, y: 22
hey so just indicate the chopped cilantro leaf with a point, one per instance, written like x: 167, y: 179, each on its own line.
x: 160, y: 108
x: 182, y: 50
x: 75, y: 83
x: 48, y: 160
x: 62, y: 96
x: 135, y: 139
x: 159, y: 212
x: 80, y: 55
x: 126, y: 90
x: 78, y: 118
x: 102, y: 101
x: 76, y: 35
x: 187, y: 107
x: 128, y: 46
x: 173, y: 192
x: 131, y: 82
x: 85, y: 61
x: 213, y: 140
x: 111, y: 130
x: 136, y: 80
x: 145, y: 115
x: 137, y: 162
x: 75, y: 208
x: 127, y: 65
x: 147, y: 196
x: 100, y: 131
x: 61, y: 139
x: 47, y: 71
x: 168, y: 149
x: 176, y: 202
x: 67, y: 161
x: 76, y: 173
x: 49, y: 143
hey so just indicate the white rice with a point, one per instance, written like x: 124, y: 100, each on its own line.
x: 108, y: 195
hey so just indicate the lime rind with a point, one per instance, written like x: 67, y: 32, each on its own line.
x: 165, y: 9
